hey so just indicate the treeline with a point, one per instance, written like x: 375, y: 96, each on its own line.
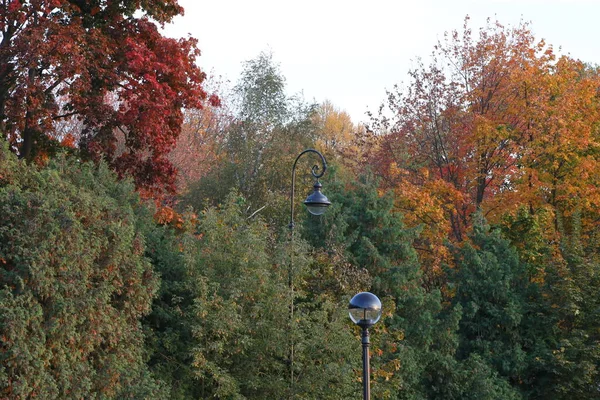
x: 469, y: 206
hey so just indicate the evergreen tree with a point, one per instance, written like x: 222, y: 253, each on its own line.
x: 490, y: 286
x: 74, y: 282
x: 221, y: 325
x: 561, y: 320
x: 169, y: 333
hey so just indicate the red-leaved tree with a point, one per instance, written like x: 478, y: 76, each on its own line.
x: 105, y: 65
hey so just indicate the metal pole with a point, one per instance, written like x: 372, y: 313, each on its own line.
x: 291, y: 282
x: 366, y: 366
x: 291, y: 286
x: 315, y: 172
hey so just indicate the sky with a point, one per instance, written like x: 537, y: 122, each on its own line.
x: 350, y: 52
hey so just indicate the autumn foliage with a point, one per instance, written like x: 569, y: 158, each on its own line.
x: 105, y: 65
x: 494, y: 122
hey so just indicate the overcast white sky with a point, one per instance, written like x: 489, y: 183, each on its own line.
x: 351, y: 51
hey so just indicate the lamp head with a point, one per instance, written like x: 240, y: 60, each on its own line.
x: 317, y: 202
x: 365, y: 309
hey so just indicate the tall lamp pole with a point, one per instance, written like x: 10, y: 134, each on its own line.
x: 316, y: 203
x: 365, y: 311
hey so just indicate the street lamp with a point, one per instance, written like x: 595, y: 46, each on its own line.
x: 316, y: 203
x: 365, y: 311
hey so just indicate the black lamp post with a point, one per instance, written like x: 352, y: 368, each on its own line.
x: 365, y: 311
x: 316, y: 203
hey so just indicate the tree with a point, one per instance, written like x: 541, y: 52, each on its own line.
x: 495, y: 121
x: 455, y: 130
x: 491, y: 287
x: 559, y: 159
x: 106, y: 64
x: 260, y: 94
x: 364, y: 224
x: 259, y: 145
x: 560, y: 320
x: 335, y: 128
x: 220, y: 325
x: 198, y: 146
x: 169, y: 327
x: 74, y: 282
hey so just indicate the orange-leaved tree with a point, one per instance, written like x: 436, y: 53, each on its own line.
x: 486, y: 126
x: 560, y: 149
